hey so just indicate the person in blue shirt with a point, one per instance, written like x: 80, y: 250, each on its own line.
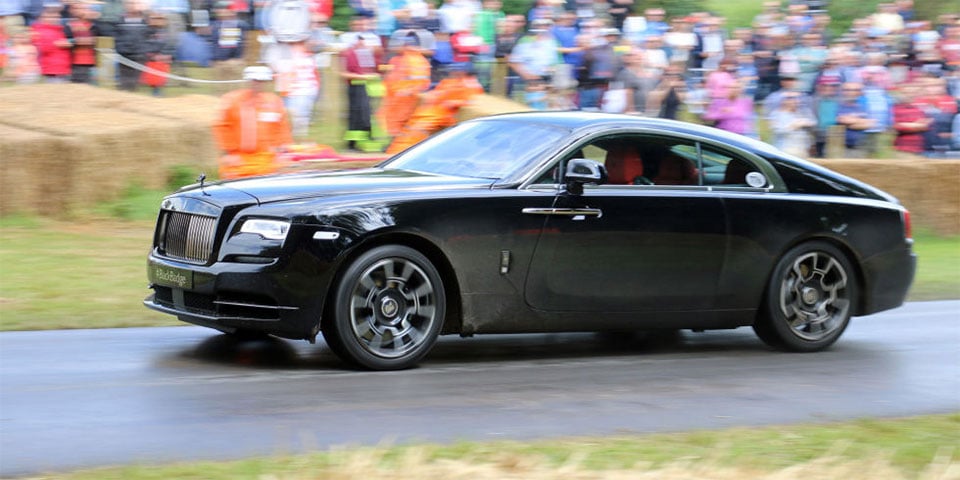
x: 879, y: 108
x: 656, y: 27
x: 565, y: 31
x: 747, y: 74
x: 852, y: 114
x: 826, y: 105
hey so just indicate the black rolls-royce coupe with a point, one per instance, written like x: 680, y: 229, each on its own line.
x: 536, y: 222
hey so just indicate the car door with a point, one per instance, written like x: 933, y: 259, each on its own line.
x: 629, y: 245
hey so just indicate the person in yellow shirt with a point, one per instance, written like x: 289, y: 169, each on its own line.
x: 251, y: 126
x: 407, y: 77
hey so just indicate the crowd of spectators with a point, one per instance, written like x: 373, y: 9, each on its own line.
x: 892, y: 78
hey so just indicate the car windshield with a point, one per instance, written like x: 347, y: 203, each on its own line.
x: 492, y: 149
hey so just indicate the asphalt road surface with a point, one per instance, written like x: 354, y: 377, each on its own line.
x: 84, y: 398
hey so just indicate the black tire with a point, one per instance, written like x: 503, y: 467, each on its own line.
x: 388, y: 308
x: 809, y: 300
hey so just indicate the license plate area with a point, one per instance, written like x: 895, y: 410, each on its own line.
x: 171, y: 277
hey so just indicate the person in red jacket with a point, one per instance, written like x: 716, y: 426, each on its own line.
x: 464, y: 45
x: 53, y: 46
x: 910, y: 121
x: 81, y: 30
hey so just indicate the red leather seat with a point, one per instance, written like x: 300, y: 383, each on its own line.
x: 623, y: 165
x: 676, y: 170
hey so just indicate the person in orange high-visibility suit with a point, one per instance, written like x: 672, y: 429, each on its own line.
x: 408, y: 75
x: 439, y: 107
x: 251, y: 125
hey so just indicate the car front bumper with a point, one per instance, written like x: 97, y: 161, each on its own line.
x: 271, y: 298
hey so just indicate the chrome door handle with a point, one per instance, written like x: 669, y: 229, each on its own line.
x: 566, y: 212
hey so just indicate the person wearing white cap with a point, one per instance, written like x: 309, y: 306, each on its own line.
x: 251, y: 125
x: 298, y: 81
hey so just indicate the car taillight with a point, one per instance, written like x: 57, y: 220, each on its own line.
x: 907, y: 226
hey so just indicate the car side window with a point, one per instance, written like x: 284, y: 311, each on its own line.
x: 644, y: 159
x: 723, y: 169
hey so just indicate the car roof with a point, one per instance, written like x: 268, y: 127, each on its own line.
x: 598, y: 121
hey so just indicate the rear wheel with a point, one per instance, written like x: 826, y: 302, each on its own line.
x: 809, y: 300
x: 388, y: 309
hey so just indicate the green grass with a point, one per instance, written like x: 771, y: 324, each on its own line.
x: 938, y: 267
x: 78, y: 275
x: 867, y: 449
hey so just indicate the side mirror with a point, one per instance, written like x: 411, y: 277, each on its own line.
x: 581, y: 172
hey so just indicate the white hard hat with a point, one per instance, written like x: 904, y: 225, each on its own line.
x: 258, y: 72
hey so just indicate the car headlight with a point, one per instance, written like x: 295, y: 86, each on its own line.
x: 268, y: 229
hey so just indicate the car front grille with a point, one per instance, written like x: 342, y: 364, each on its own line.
x: 186, y: 236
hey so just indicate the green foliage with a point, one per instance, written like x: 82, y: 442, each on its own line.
x: 341, y: 15
x: 135, y: 203
x: 181, y: 175
x: 674, y: 8
x: 843, y: 13
x: 517, y: 7
x: 740, y: 13
x: 931, y: 10
x: 139, y: 203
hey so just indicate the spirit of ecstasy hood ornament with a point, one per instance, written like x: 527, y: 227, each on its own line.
x: 200, y: 179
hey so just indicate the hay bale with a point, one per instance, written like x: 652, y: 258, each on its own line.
x: 195, y: 144
x: 61, y: 96
x: 486, y: 105
x: 928, y: 188
x: 109, y: 152
x: 941, y: 199
x: 201, y: 109
x: 87, y: 144
x: 29, y: 180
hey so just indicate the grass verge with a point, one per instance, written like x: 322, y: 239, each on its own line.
x: 915, y: 448
x: 938, y: 267
x: 91, y: 273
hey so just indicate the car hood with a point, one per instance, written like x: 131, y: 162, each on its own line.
x: 279, y: 188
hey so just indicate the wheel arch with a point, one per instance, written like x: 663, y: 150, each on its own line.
x: 452, y: 319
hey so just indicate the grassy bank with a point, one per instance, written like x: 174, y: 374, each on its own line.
x: 91, y: 273
x: 914, y: 448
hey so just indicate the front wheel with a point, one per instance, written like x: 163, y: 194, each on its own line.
x: 388, y: 309
x: 809, y: 300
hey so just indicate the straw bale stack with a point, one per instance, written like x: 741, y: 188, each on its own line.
x: 928, y: 188
x: 80, y: 144
x: 942, y: 196
x: 26, y: 160
x: 485, y: 105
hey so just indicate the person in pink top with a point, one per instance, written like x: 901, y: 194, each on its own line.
x: 298, y: 81
x: 733, y: 113
x: 53, y: 46
x: 23, y: 66
x: 720, y: 81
